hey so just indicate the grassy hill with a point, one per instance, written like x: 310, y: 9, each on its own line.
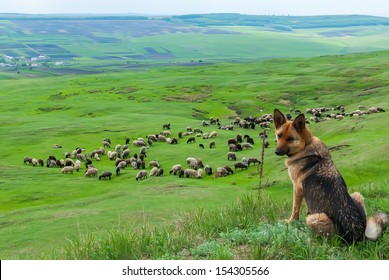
x: 42, y: 209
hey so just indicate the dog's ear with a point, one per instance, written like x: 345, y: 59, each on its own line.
x: 299, y: 123
x: 279, y: 118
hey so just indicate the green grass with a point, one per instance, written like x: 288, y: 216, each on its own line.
x: 45, y: 214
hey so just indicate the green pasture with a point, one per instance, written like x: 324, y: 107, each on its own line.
x: 42, y: 210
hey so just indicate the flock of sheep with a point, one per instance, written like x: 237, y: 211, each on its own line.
x: 121, y: 157
x: 194, y: 168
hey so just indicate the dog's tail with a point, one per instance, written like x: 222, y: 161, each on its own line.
x: 376, y: 225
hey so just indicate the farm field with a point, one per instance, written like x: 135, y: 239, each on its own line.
x: 79, y: 45
x: 42, y: 211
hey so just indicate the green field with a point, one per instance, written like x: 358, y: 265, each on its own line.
x: 79, y: 45
x: 43, y: 211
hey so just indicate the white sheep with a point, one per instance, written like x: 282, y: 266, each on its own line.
x: 122, y: 164
x: 77, y: 165
x: 67, y: 169
x: 189, y: 172
x: 91, y: 171
x: 154, y: 171
x: 138, y: 143
x: 141, y: 175
x: 190, y: 159
x: 112, y: 155
x: 154, y: 163
x: 34, y: 162
x: 126, y: 153
x: 246, y: 145
x: 199, y: 173
x: 213, y: 134
x: 175, y: 168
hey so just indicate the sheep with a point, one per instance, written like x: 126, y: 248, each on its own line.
x: 57, y: 146
x: 190, y: 159
x: 34, y: 162
x: 208, y: 170
x: 181, y: 173
x: 105, y: 175
x: 247, y: 145
x: 229, y: 170
x: 191, y: 140
x: 213, y: 134
x: 118, y: 171
x: 142, y: 156
x: 154, y: 163
x: 60, y: 163
x: 339, y: 117
x: 232, y: 141
x: 126, y: 153
x: 122, y: 164
x: 152, y: 138
x: 166, y: 133
x: 212, y: 144
x: 69, y: 162
x: 189, y: 129
x: 51, y: 163
x: 239, y: 138
x: 222, y: 170
x: 118, y: 148
x: 232, y: 147
x: 166, y: 126
x: 141, y: 175
x: 162, y: 138
x: 77, y: 165
x: 91, y: 171
x: 27, y: 160
x: 112, y: 155
x: 201, y: 146
x: 189, y: 172
x: 40, y: 161
x: 153, y: 171
x: 160, y: 172
x: 106, y: 144
x: 240, y: 165
x: 134, y: 165
x: 96, y: 156
x: 199, y: 173
x: 139, y: 143
x: 67, y: 169
x: 196, y: 163
x: 174, y: 140
x: 231, y: 156
x: 175, y: 169
x: 249, y: 139
x: 81, y: 157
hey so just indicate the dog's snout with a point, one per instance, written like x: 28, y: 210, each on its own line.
x: 279, y: 152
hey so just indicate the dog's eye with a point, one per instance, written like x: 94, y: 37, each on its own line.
x: 279, y: 135
x: 290, y: 139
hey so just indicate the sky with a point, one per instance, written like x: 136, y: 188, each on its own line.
x: 179, y: 7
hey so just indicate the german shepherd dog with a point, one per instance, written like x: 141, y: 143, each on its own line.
x: 331, y: 210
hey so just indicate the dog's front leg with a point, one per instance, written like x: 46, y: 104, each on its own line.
x: 298, y: 196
